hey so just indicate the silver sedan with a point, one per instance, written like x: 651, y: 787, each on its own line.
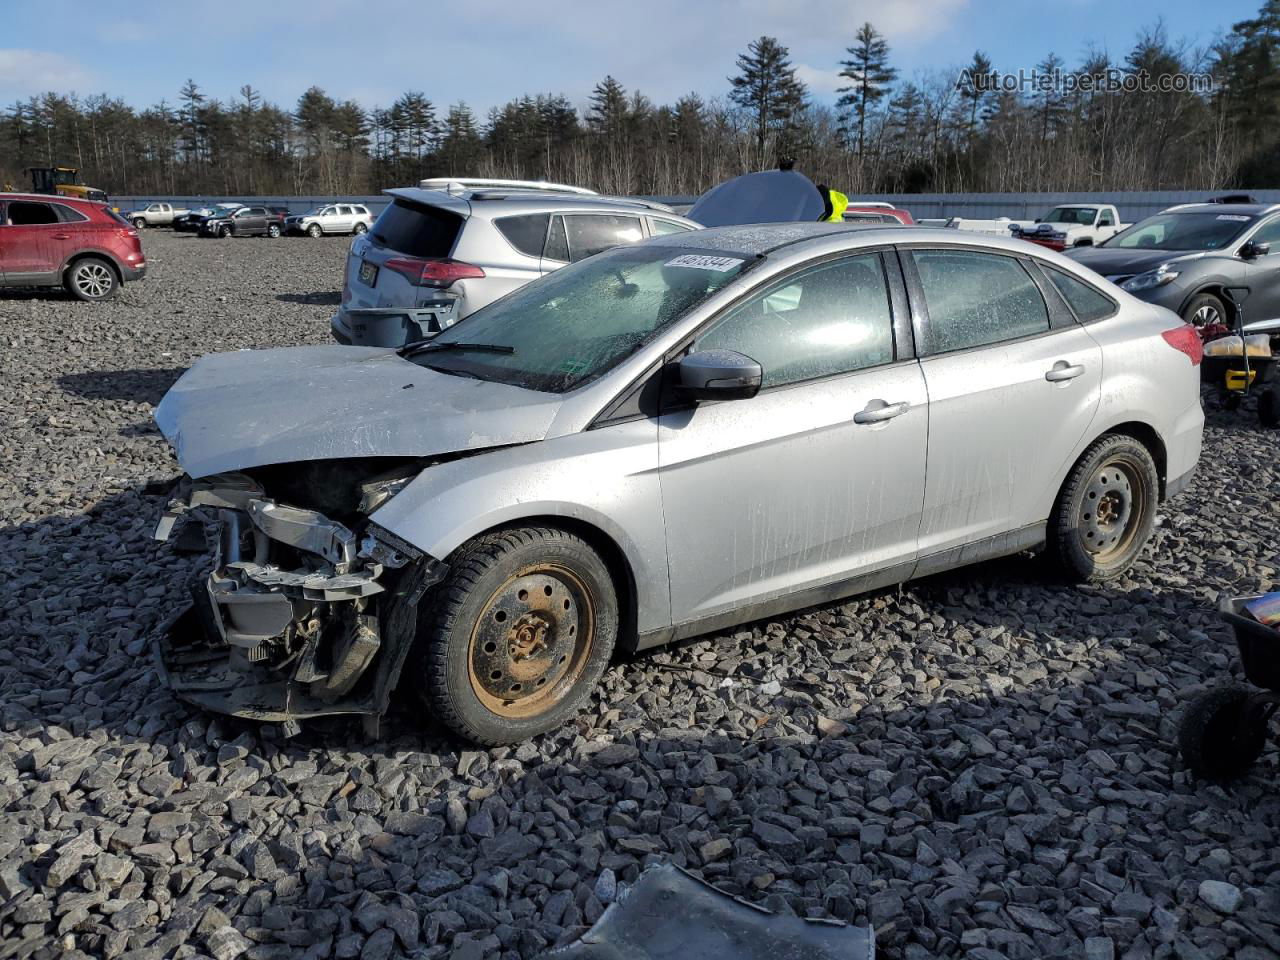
x: 663, y: 440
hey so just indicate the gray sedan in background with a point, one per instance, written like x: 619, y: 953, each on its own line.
x: 665, y: 439
x: 1186, y: 258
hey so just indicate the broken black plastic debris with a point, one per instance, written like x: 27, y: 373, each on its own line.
x: 669, y: 913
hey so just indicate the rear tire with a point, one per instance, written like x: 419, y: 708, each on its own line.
x: 1217, y: 739
x: 1269, y: 408
x: 1105, y: 511
x: 314, y: 231
x: 92, y: 280
x: 517, y: 635
x: 1205, y: 310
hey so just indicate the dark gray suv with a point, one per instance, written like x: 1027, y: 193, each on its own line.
x: 1185, y: 258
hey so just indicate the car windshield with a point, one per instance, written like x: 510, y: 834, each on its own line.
x: 576, y: 324
x: 1182, y: 231
x: 1077, y: 215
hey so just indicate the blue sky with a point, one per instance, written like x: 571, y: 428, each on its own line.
x: 487, y: 51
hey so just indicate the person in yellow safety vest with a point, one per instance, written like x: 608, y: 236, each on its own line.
x: 834, y: 204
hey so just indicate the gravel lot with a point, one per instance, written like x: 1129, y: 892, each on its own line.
x: 980, y: 765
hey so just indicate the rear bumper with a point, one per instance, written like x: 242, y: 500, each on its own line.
x: 131, y: 272
x: 391, y: 326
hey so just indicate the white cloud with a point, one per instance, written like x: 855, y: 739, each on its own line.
x: 820, y: 81
x: 27, y: 72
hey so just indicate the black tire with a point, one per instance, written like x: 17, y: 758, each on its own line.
x: 140, y: 224
x: 1105, y: 511
x: 224, y: 232
x: 92, y: 280
x: 1269, y: 408
x: 315, y: 231
x: 273, y: 230
x: 495, y: 684
x: 1217, y: 738
x: 1204, y: 310
x: 359, y: 228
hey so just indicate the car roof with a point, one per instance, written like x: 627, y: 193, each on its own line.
x: 493, y: 202
x: 760, y: 239
x: 46, y: 197
x: 1250, y: 209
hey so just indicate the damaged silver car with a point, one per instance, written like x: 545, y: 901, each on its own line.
x: 663, y: 440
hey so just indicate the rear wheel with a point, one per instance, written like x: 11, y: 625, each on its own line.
x: 1205, y: 310
x: 273, y: 230
x: 518, y: 634
x: 314, y: 230
x: 1219, y: 736
x: 1269, y: 408
x: 359, y: 229
x: 91, y: 279
x: 1106, y: 509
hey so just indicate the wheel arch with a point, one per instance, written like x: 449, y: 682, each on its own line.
x: 1217, y: 287
x: 1144, y: 433
x: 80, y: 255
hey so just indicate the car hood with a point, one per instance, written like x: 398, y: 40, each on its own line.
x: 232, y: 411
x: 1115, y: 261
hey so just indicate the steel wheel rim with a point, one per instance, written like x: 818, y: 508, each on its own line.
x: 1206, y: 316
x: 1115, y: 501
x: 531, y: 641
x: 93, y: 280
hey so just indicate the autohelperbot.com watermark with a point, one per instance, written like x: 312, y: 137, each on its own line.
x: 1111, y: 80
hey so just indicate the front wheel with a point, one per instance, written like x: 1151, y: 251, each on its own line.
x: 139, y: 224
x: 1205, y: 311
x: 1106, y: 510
x: 1220, y: 736
x: 314, y: 230
x: 224, y: 232
x: 91, y: 280
x: 1269, y: 408
x: 518, y: 634
x: 273, y: 231
x: 359, y: 229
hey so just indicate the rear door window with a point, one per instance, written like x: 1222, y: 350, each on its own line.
x: 417, y: 230
x: 591, y: 233
x: 1086, y: 303
x: 527, y: 233
x: 976, y: 299
x: 25, y: 213
x: 660, y: 228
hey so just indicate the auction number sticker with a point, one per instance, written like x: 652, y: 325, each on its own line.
x: 698, y: 261
x: 1234, y: 216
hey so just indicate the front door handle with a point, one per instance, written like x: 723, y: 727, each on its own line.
x: 877, y: 411
x: 1063, y: 371
x: 62, y: 236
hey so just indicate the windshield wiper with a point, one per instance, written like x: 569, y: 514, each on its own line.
x: 431, y: 346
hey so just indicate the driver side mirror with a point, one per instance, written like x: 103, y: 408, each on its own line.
x: 1253, y: 250
x: 719, y: 375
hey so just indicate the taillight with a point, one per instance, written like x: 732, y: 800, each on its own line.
x: 433, y: 273
x: 1186, y: 340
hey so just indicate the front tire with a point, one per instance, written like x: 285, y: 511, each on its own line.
x: 1106, y: 510
x: 1269, y: 408
x: 224, y: 232
x: 91, y: 280
x: 518, y: 634
x: 1205, y: 311
x: 359, y: 229
x: 273, y: 231
x: 1218, y: 737
x: 314, y: 231
x: 139, y: 224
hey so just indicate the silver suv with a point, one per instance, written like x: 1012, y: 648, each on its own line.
x: 341, y: 218
x: 435, y: 256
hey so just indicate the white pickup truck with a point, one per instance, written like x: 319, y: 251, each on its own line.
x: 1068, y: 225
x: 155, y: 215
x: 1073, y: 225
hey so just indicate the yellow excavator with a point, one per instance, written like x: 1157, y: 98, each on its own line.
x: 63, y: 181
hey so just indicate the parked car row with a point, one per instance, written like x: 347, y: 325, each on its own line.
x: 231, y: 219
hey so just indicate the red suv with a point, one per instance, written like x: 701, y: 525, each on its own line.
x: 59, y: 241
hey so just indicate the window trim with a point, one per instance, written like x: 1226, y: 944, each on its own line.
x: 920, y: 307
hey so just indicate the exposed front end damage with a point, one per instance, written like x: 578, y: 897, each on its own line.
x: 301, y: 615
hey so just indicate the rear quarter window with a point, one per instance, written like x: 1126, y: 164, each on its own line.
x: 1086, y: 303
x: 527, y: 233
x: 417, y: 230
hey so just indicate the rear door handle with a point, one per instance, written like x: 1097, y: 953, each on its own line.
x: 62, y: 236
x: 877, y: 411
x: 1063, y: 371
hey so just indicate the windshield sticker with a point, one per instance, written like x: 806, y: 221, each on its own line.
x: 1234, y: 216
x: 698, y: 261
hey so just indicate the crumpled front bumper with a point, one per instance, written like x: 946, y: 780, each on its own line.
x: 268, y: 643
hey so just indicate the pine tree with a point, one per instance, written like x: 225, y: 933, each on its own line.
x: 974, y: 91
x: 869, y: 74
x: 460, y: 144
x: 608, y: 112
x: 767, y: 87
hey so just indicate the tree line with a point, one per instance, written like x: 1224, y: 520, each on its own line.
x: 954, y: 129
